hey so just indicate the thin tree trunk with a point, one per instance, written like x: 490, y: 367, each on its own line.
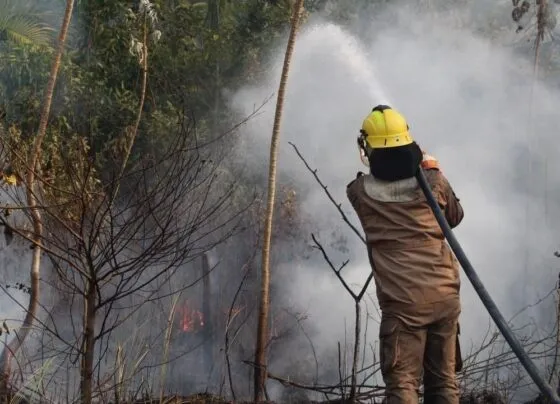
x: 16, y: 343
x: 134, y: 132
x: 557, y: 344
x: 88, y: 345
x: 264, y: 304
x: 207, y: 317
x: 357, y: 331
x: 131, y: 137
x: 90, y: 314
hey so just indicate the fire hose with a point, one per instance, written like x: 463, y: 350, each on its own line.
x: 513, y: 342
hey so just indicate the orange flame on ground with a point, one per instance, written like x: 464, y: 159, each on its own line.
x: 192, y: 320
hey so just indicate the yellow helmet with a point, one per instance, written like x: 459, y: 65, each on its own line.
x: 384, y: 127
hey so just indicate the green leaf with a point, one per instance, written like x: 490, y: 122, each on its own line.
x: 22, y: 29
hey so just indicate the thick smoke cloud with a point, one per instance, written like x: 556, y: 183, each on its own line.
x: 467, y: 99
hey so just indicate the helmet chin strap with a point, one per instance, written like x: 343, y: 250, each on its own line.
x: 363, y: 158
x: 363, y: 150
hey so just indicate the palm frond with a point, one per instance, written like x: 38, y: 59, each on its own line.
x: 21, y: 28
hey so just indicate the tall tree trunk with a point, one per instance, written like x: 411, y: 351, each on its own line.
x: 134, y: 131
x: 88, y: 344
x: 32, y: 187
x: 264, y: 304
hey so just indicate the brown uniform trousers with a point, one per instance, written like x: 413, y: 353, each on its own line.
x: 423, y: 350
x: 417, y: 284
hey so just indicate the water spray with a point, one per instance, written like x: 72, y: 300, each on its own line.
x: 513, y: 342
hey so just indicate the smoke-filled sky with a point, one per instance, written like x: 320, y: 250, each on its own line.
x: 467, y: 102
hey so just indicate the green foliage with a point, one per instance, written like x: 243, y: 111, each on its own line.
x: 21, y: 27
x: 196, y: 48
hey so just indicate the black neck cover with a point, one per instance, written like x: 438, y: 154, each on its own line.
x: 395, y: 163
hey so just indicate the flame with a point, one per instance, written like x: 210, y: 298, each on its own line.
x: 190, y: 319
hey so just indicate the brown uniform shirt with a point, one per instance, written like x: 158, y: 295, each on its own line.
x: 413, y: 265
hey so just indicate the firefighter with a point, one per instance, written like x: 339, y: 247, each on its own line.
x: 416, y: 274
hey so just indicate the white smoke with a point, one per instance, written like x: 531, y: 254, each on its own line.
x: 467, y: 101
x: 466, y: 98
